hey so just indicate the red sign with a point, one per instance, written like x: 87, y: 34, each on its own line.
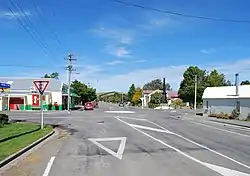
x: 35, y: 100
x: 41, y: 85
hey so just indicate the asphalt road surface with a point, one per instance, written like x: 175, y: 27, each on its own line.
x: 112, y: 141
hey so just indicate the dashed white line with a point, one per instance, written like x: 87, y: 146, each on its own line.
x: 49, y: 165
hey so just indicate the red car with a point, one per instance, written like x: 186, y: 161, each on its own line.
x: 88, y: 106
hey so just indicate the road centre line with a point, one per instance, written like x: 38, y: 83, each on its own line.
x: 177, y: 150
x: 202, y: 146
x: 49, y: 165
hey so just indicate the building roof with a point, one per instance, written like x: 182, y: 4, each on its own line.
x: 227, y: 92
x: 27, y: 83
x: 170, y: 93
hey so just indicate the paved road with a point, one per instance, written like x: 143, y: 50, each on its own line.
x: 134, y: 142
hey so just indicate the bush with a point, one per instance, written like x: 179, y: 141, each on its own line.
x: 152, y: 105
x: 4, y: 119
x: 235, y: 114
x: 220, y: 116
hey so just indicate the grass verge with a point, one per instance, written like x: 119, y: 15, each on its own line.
x: 12, y: 146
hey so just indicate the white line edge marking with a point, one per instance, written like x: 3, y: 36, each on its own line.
x: 131, y: 118
x: 49, y: 165
x: 175, y: 149
x: 200, y: 145
x: 225, y: 124
x: 120, y: 149
x: 150, y: 128
x: 228, y: 131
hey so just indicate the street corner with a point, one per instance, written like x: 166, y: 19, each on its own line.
x: 34, y: 161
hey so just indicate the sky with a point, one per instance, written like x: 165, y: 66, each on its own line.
x: 117, y: 45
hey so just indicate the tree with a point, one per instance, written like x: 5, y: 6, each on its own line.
x: 156, y: 84
x: 156, y: 98
x: 86, y: 93
x: 215, y: 79
x: 186, y: 90
x: 136, y: 99
x: 246, y: 82
x: 131, y: 92
x: 54, y: 75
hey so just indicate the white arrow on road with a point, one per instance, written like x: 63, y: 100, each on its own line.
x: 120, y: 150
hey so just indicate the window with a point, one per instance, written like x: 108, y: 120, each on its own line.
x: 207, y: 104
x: 238, y: 106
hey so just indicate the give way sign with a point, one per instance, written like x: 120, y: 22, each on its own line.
x: 41, y: 85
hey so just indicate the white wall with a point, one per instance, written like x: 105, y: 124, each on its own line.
x: 57, y: 97
x: 227, y: 105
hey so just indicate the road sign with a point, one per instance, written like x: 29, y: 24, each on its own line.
x: 4, y: 85
x: 35, y: 100
x: 41, y: 85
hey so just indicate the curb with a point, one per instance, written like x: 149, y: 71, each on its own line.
x: 246, y: 126
x: 22, y: 151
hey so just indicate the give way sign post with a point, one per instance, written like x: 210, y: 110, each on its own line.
x: 41, y: 86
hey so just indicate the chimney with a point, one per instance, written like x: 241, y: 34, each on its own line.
x: 237, y: 84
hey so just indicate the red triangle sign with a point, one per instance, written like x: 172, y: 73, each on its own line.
x: 41, y: 85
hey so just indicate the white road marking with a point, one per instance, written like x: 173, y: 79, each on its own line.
x: 131, y: 118
x: 121, y: 112
x: 225, y: 124
x: 49, y: 165
x: 150, y: 128
x: 173, y: 111
x: 228, y: 131
x: 179, y: 151
x: 202, y: 146
x: 120, y: 150
x: 225, y: 171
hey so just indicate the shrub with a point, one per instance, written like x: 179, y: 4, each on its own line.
x: 220, y: 116
x: 235, y: 114
x: 4, y: 119
x: 152, y: 105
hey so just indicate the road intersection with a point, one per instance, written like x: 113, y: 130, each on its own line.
x: 124, y: 141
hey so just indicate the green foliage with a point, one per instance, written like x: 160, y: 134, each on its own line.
x: 131, y: 92
x: 136, y: 99
x: 86, y: 93
x: 204, y: 80
x: 156, y: 98
x: 246, y: 82
x: 54, y: 75
x: 177, y: 103
x: 220, y: 116
x: 156, y: 84
x: 4, y: 119
x: 235, y: 114
x: 152, y: 105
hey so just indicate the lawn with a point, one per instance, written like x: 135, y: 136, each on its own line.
x: 11, y: 146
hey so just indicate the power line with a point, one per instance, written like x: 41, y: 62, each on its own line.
x: 55, y: 36
x: 179, y: 14
x: 27, y: 25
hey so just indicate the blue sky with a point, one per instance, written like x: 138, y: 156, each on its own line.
x: 117, y: 45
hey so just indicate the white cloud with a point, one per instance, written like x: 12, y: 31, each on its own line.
x: 121, y: 36
x: 140, y: 61
x: 173, y: 75
x: 115, y: 62
x: 14, y: 15
x: 121, y: 52
x: 208, y: 51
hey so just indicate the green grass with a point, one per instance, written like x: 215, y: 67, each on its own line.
x: 16, y: 129
x: 12, y: 146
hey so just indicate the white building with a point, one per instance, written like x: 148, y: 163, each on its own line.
x: 225, y: 99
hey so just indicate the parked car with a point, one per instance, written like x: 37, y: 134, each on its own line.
x: 121, y: 104
x: 88, y: 106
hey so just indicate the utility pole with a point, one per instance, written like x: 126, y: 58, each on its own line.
x: 70, y: 69
x: 195, y: 91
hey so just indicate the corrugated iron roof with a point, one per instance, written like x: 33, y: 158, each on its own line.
x: 27, y: 83
x: 227, y: 92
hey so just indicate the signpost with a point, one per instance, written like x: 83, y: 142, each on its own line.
x: 41, y: 86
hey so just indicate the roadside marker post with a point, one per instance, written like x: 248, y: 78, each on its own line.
x: 41, y: 86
